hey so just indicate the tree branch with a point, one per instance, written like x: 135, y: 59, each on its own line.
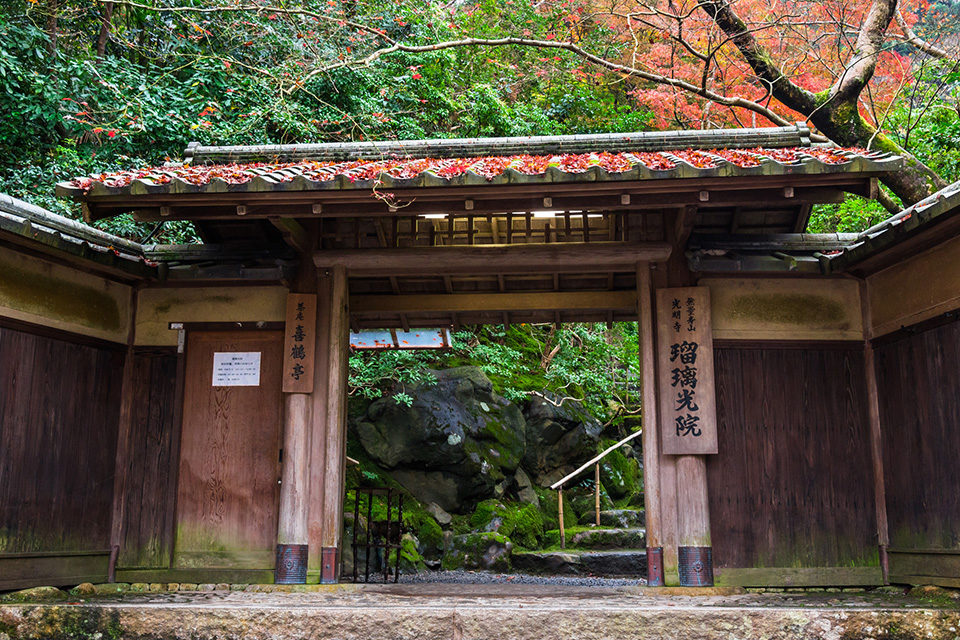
x: 622, y: 69
x: 866, y: 51
x: 757, y: 57
x: 921, y: 44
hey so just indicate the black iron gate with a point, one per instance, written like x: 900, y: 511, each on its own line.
x: 385, y: 533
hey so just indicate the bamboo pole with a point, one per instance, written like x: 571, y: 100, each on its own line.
x: 596, y: 492
x: 563, y: 534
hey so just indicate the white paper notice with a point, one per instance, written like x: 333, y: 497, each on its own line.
x: 236, y: 369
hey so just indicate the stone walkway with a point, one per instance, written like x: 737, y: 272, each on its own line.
x: 491, y: 611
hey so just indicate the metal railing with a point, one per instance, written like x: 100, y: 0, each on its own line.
x: 558, y: 485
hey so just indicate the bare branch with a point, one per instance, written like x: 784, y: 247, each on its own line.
x: 912, y: 38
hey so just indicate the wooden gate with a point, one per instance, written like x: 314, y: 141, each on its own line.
x: 228, y: 495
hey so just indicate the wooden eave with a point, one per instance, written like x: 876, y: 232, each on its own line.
x: 792, y: 189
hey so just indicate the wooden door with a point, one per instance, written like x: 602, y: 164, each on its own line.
x: 228, y: 492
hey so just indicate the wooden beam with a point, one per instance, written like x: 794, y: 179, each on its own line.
x: 293, y: 233
x: 494, y: 302
x: 566, y: 258
x: 686, y: 217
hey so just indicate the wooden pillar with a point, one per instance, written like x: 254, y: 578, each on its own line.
x: 318, y: 441
x: 292, y: 532
x: 302, y: 326
x: 659, y: 279
x: 876, y: 441
x: 123, y: 455
x: 694, y: 549
x: 651, y: 441
x: 334, y: 423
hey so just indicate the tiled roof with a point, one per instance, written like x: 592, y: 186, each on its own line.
x: 932, y: 210
x: 598, y: 166
x: 797, y: 135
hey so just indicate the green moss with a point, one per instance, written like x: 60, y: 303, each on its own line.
x: 789, y: 308
x: 74, y: 623
x: 425, y: 527
x: 410, y: 558
x: 549, y: 510
x: 521, y: 523
x: 551, y: 538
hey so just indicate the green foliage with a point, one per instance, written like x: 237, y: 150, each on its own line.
x: 373, y: 371
x: 852, y: 215
x: 171, y: 77
x: 589, y: 362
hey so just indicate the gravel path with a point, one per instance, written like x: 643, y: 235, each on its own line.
x: 483, y: 577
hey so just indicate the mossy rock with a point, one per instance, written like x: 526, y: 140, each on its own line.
x: 584, y: 500
x: 35, y: 594
x: 427, y: 531
x: 620, y: 475
x: 455, y: 445
x: 410, y: 559
x: 550, y: 512
x: 551, y: 538
x: 485, y: 550
x: 522, y: 523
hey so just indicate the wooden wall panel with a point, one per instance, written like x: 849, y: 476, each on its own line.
x: 146, y: 538
x: 59, y: 409
x: 791, y: 485
x: 228, y: 495
x: 918, y: 377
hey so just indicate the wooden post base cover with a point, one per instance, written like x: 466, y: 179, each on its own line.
x: 696, y: 566
x: 329, y: 565
x: 654, y: 566
x: 291, y: 567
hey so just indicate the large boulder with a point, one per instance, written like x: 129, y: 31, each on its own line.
x: 456, y: 444
x: 561, y: 435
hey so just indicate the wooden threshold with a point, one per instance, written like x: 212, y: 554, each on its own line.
x: 799, y: 577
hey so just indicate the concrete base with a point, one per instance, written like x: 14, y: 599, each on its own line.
x: 484, y: 611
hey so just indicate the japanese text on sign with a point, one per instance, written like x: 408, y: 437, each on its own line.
x: 686, y: 371
x: 299, y: 343
x: 236, y: 369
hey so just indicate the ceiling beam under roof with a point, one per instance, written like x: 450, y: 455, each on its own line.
x: 501, y: 302
x: 567, y: 258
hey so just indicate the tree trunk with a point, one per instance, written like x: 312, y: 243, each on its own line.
x: 53, y: 11
x: 842, y: 123
x: 105, y: 18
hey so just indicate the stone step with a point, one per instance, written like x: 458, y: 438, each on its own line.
x: 617, y: 518
x: 609, y: 539
x: 627, y: 562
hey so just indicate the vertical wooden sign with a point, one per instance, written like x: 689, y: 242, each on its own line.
x: 688, y: 403
x: 298, y: 345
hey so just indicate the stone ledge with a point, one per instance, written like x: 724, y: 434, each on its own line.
x: 495, y: 611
